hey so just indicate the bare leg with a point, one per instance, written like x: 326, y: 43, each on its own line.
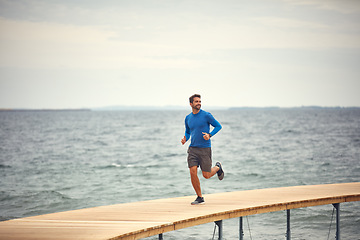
x: 208, y: 175
x: 195, y: 180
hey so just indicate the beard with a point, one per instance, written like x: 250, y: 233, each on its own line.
x: 197, y: 107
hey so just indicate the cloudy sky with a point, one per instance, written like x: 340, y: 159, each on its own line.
x: 73, y: 54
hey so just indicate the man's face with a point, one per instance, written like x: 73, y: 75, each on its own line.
x: 196, y: 104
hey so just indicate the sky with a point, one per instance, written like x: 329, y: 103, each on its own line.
x: 255, y: 53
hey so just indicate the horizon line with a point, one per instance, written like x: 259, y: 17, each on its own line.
x: 168, y: 107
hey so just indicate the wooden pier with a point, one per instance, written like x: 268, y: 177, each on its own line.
x: 143, y: 219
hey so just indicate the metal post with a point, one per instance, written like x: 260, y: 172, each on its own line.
x: 288, y: 231
x: 160, y: 236
x: 219, y: 224
x: 337, y: 207
x: 241, y: 231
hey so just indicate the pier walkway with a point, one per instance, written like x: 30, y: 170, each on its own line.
x: 143, y: 219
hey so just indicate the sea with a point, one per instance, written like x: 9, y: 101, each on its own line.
x: 53, y: 161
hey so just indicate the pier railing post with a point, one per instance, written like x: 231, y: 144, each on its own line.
x: 337, y: 207
x: 288, y: 231
x: 219, y: 224
x: 241, y: 231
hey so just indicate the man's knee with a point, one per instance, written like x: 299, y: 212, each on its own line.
x: 206, y: 175
x: 193, y: 170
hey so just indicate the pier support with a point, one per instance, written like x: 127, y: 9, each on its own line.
x: 220, y: 226
x: 241, y: 231
x: 288, y: 231
x: 160, y: 236
x: 337, y: 207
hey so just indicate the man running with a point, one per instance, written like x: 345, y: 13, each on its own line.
x: 197, y: 127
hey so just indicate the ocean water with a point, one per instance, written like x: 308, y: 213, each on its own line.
x: 65, y: 160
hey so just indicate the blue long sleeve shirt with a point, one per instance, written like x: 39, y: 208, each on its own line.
x: 196, y: 124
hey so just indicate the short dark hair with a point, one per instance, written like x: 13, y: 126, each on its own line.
x: 191, y: 99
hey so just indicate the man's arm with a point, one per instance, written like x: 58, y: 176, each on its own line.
x: 187, y: 134
x: 217, y: 127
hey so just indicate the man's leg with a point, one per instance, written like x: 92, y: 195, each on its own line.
x: 208, y: 175
x: 195, y: 180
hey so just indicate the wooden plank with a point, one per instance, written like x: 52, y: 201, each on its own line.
x: 142, y: 219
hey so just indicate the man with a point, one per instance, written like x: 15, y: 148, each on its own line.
x: 197, y: 127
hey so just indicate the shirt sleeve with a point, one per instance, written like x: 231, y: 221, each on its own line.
x: 217, y: 126
x: 187, y: 130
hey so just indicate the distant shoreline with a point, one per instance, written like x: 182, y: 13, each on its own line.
x: 164, y: 108
x: 45, y: 110
x: 301, y: 107
x: 211, y: 108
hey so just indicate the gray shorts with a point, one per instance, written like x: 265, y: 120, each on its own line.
x: 200, y: 157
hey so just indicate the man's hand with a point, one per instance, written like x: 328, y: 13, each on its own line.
x: 183, y: 140
x: 206, y: 136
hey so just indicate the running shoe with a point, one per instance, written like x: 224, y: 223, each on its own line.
x: 198, y: 200
x: 220, y: 172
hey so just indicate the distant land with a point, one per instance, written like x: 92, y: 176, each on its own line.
x: 304, y: 107
x: 151, y: 108
x: 169, y: 108
x: 165, y: 108
x: 42, y: 110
